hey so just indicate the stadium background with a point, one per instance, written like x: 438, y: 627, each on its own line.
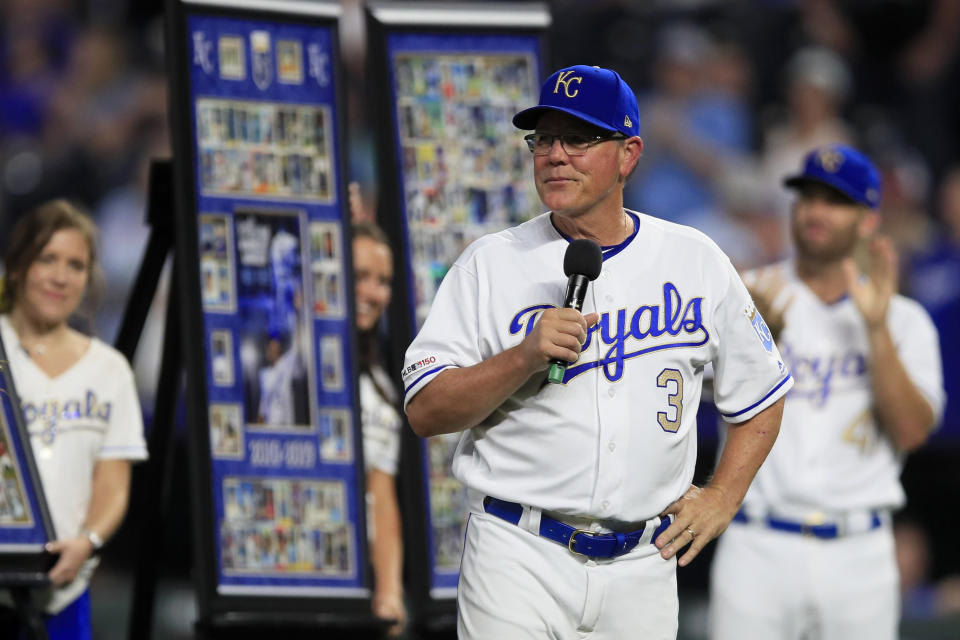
x: 731, y: 94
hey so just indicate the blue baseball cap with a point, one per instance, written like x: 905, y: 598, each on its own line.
x: 594, y: 95
x: 843, y: 168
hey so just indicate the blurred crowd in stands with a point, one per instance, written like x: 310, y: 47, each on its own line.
x: 83, y: 107
x: 734, y: 93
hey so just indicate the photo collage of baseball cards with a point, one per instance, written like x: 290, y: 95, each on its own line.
x: 266, y: 363
x: 284, y: 526
x: 14, y: 508
x: 286, y: 494
x: 466, y: 169
x: 448, y: 503
x: 265, y: 149
x: 466, y: 172
x: 252, y: 267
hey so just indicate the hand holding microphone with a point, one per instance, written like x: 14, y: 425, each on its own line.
x: 581, y: 264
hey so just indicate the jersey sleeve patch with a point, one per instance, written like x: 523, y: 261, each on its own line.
x: 760, y: 328
x: 417, y: 379
x: 411, y: 370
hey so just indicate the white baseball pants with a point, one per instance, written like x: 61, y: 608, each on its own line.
x: 517, y: 585
x: 775, y: 585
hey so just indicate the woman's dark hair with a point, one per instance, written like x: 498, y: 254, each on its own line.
x: 30, y: 235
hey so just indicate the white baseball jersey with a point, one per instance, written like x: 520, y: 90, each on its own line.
x: 831, y: 455
x: 276, y: 387
x: 380, y: 421
x: 88, y: 413
x: 381, y: 432
x: 617, y: 440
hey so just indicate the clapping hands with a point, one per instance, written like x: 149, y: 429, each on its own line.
x: 872, y: 291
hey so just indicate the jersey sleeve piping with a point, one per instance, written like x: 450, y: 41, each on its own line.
x: 769, y: 396
x: 435, y: 370
x: 131, y: 452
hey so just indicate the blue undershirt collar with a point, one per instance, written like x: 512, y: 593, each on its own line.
x: 609, y: 251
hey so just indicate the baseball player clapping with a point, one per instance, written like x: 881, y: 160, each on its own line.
x: 810, y: 554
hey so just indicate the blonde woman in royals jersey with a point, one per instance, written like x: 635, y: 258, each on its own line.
x: 78, y: 399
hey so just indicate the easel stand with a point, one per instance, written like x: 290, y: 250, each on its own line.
x: 29, y: 617
x: 160, y: 467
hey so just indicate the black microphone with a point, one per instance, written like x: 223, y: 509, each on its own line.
x: 581, y: 264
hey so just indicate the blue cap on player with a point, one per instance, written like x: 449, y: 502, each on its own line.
x: 595, y: 95
x: 843, y: 168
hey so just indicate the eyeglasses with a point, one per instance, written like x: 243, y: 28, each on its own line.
x: 574, y: 144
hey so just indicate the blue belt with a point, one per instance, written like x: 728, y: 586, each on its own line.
x: 826, y: 531
x: 579, y: 541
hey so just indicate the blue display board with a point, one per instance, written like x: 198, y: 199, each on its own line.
x: 24, y: 521
x: 464, y: 171
x: 274, y: 276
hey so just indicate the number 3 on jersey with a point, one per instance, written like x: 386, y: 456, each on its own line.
x: 675, y: 399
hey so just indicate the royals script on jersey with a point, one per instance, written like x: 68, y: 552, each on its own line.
x: 89, y: 412
x: 617, y: 440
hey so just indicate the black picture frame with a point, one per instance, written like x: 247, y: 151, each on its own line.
x: 23, y: 560
x: 289, y: 607
x: 432, y: 608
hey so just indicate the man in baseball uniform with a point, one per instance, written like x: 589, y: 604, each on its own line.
x: 580, y: 491
x: 810, y: 554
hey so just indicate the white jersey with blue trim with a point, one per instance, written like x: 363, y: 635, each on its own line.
x: 616, y: 440
x: 90, y: 412
x: 831, y: 455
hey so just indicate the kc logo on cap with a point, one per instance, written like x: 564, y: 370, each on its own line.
x: 830, y: 159
x: 592, y: 94
x: 564, y: 79
x: 843, y: 168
